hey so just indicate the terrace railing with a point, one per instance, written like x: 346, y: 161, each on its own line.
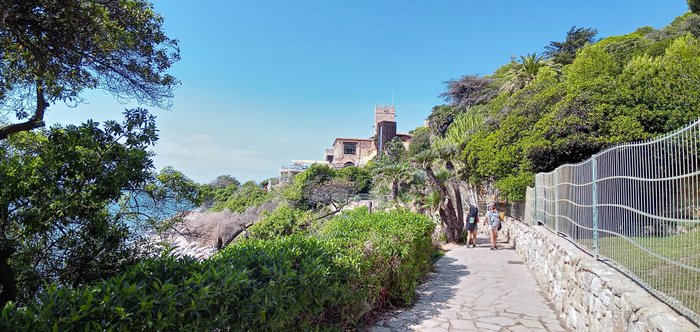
x: 636, y: 206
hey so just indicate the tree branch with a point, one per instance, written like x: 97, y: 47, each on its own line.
x: 36, y: 121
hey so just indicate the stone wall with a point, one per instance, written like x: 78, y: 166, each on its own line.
x: 588, y: 294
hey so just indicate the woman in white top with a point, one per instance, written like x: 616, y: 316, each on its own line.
x: 494, y: 221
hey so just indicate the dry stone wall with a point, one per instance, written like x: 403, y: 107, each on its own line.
x: 588, y: 294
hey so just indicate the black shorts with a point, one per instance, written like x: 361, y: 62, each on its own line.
x: 472, y: 225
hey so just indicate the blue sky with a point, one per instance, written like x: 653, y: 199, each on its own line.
x: 265, y: 82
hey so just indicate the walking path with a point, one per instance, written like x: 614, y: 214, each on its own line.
x: 476, y: 289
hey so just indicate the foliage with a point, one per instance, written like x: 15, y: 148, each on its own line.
x: 420, y: 142
x: 564, y: 52
x: 393, y: 175
x: 53, y: 50
x: 441, y: 183
x: 694, y: 6
x: 335, y: 193
x: 247, y: 195
x: 270, y: 285
x: 513, y: 187
x: 620, y: 89
x: 152, y: 207
x: 470, y: 90
x: 357, y: 263
x: 283, y: 221
x: 395, y: 151
x: 393, y: 249
x: 360, y: 177
x: 440, y: 119
x: 175, y: 184
x: 464, y: 126
x: 57, y: 188
x: 523, y: 72
x: 224, y: 181
x: 306, y: 184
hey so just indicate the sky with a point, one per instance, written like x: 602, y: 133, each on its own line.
x: 267, y: 82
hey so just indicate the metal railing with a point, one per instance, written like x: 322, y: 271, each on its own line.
x: 371, y: 197
x: 636, y: 206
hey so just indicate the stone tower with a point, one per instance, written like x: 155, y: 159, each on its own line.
x: 384, y: 113
x: 384, y: 125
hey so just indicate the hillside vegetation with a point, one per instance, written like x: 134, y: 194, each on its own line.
x: 618, y: 89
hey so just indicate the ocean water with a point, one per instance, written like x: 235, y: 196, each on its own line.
x: 143, y: 214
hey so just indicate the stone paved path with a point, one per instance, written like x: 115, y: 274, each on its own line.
x: 476, y: 289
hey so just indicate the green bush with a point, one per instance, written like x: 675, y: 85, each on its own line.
x: 356, y: 263
x: 395, y: 247
x: 283, y: 221
x: 298, y: 192
x: 239, y: 199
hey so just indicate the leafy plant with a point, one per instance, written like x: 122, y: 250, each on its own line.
x: 57, y: 189
x: 357, y: 262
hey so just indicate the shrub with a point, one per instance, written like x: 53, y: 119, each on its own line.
x: 287, y: 284
x: 395, y: 246
x: 281, y: 222
x: 357, y: 262
x: 249, y: 194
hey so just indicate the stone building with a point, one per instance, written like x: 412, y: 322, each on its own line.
x: 351, y: 152
x: 358, y: 151
x: 354, y: 151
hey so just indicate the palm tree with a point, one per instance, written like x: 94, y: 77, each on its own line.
x: 448, y: 216
x: 448, y: 152
x: 459, y: 133
x: 463, y: 126
x: 416, y: 188
x: 524, y: 71
x: 394, y: 175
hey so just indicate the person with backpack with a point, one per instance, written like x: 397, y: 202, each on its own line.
x: 493, y: 219
x: 472, y: 223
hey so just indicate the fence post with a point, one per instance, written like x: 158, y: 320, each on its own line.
x: 556, y: 201
x: 594, y: 203
x: 534, y: 207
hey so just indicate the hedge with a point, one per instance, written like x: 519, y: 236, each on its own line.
x: 356, y: 263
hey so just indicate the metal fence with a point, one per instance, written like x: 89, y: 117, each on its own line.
x: 636, y: 206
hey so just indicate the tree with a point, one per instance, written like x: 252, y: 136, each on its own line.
x: 153, y: 206
x: 58, y: 187
x: 52, y: 50
x: 452, y: 225
x: 448, y: 153
x: 335, y: 192
x: 694, y: 6
x: 394, y: 175
x: 523, y: 72
x: 440, y: 119
x: 469, y: 91
x: 223, y: 181
x: 299, y: 192
x: 395, y: 150
x: 563, y: 53
x: 420, y: 141
x: 360, y: 177
x: 247, y: 195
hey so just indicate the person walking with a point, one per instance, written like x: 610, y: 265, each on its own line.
x: 472, y: 223
x: 494, y: 221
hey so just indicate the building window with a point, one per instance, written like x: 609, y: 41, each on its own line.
x: 349, y: 148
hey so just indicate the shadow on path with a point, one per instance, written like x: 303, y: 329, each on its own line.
x: 475, y: 289
x: 433, y: 296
